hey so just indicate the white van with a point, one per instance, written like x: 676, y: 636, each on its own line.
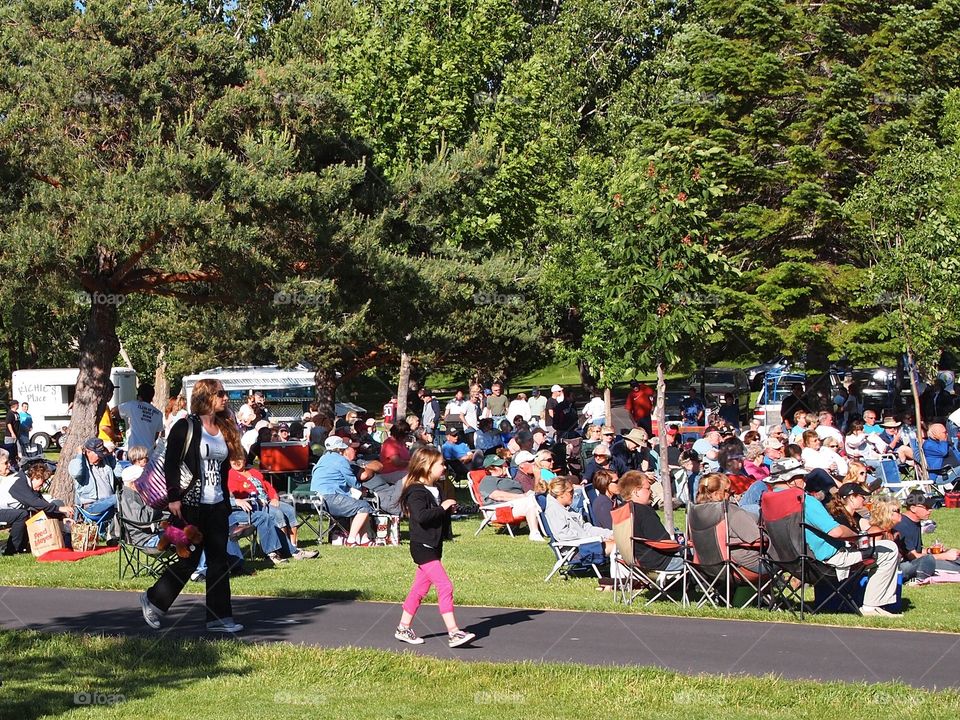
x: 50, y: 393
x: 286, y: 392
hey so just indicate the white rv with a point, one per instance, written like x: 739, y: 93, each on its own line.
x: 287, y: 392
x: 50, y: 393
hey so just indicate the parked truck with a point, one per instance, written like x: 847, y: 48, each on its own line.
x: 50, y: 393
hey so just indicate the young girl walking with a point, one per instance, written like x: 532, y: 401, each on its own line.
x: 429, y: 521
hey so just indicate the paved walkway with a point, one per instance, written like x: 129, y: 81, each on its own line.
x: 688, y: 645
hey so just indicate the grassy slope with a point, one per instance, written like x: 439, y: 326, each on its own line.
x: 137, y: 678
x: 476, y: 565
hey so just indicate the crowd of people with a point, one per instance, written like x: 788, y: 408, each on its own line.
x: 536, y: 454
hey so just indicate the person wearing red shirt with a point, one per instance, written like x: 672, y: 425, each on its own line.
x: 249, y: 484
x: 394, y: 454
x: 640, y: 404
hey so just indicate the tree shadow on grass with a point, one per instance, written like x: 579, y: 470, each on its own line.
x: 83, y: 662
x: 46, y: 676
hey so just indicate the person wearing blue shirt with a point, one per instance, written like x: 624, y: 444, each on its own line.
x: 333, y: 478
x: 692, y: 408
x: 827, y: 540
x: 870, y: 423
x: 942, y: 459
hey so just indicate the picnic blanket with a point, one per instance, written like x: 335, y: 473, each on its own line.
x: 67, y: 555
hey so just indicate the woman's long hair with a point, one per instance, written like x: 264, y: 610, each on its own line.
x: 201, y: 403
x: 418, y: 471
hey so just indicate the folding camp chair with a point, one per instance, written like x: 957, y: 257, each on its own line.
x: 784, y: 547
x: 568, y: 552
x: 712, y: 568
x: 496, y: 513
x: 631, y: 579
x: 103, y: 521
x: 312, y: 512
x: 135, y: 555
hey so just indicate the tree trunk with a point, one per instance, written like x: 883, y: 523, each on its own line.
x: 608, y: 406
x: 403, y: 385
x: 98, y: 349
x: 326, y: 381
x: 161, y: 384
x: 587, y: 380
x: 665, y: 481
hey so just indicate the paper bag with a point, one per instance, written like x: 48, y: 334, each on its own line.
x: 45, y: 534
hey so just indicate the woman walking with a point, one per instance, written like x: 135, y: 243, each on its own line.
x: 204, y: 503
x: 429, y: 522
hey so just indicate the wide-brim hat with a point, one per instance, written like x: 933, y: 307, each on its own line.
x: 890, y: 423
x: 785, y: 471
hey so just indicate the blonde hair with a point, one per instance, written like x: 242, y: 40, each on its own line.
x: 559, y: 485
x: 137, y: 453
x: 712, y: 488
x: 853, y: 473
x: 882, y: 513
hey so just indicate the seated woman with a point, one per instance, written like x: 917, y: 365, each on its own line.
x: 566, y: 525
x: 394, y: 453
x: 847, y: 505
x: 11, y: 510
x: 591, y: 439
x: 249, y: 484
x: 607, y: 497
x: 543, y: 471
x: 249, y: 507
x: 713, y: 495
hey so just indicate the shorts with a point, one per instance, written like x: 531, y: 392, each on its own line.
x: 345, y: 506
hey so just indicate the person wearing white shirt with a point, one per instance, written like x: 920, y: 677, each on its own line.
x: 826, y: 429
x: 144, y: 421
x: 595, y: 411
x: 519, y: 406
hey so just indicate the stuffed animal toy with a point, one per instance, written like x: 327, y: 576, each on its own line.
x: 183, y: 539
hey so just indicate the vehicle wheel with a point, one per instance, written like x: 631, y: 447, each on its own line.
x: 59, y: 439
x: 41, y: 439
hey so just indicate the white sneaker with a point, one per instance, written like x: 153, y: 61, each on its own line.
x: 151, y: 614
x: 870, y: 611
x: 537, y: 538
x: 226, y: 625
x: 275, y: 558
x: 305, y: 555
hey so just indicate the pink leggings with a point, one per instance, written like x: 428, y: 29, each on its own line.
x: 431, y: 573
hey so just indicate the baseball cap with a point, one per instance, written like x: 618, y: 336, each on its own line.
x: 772, y: 442
x: 453, y: 432
x: 556, y: 388
x: 785, y: 470
x: 493, y: 461
x: 335, y: 442
x: 852, y: 488
x: 283, y: 426
x: 535, y: 391
x: 522, y: 457
x: 917, y: 497
x: 95, y: 445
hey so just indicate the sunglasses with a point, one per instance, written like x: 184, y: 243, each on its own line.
x: 221, y: 393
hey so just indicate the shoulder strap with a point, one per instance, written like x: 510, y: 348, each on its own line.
x: 189, y: 438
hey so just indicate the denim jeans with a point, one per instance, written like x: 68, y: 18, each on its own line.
x: 270, y: 538
x: 233, y: 549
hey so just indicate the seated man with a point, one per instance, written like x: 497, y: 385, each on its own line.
x: 94, y: 473
x: 333, y: 479
x: 827, y: 542
x: 924, y: 561
x: 636, y: 488
x: 632, y: 451
x: 458, y: 454
x: 942, y: 460
x: 708, y: 448
x: 499, y: 487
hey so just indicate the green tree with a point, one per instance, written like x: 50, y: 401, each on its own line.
x: 657, y: 250
x: 139, y: 164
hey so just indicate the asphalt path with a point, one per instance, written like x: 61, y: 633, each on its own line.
x: 688, y: 645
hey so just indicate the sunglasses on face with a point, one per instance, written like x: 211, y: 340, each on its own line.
x: 221, y: 393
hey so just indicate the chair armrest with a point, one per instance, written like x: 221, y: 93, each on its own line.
x: 664, y: 546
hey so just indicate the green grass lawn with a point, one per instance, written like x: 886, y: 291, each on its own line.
x: 477, y: 566
x: 106, y: 677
